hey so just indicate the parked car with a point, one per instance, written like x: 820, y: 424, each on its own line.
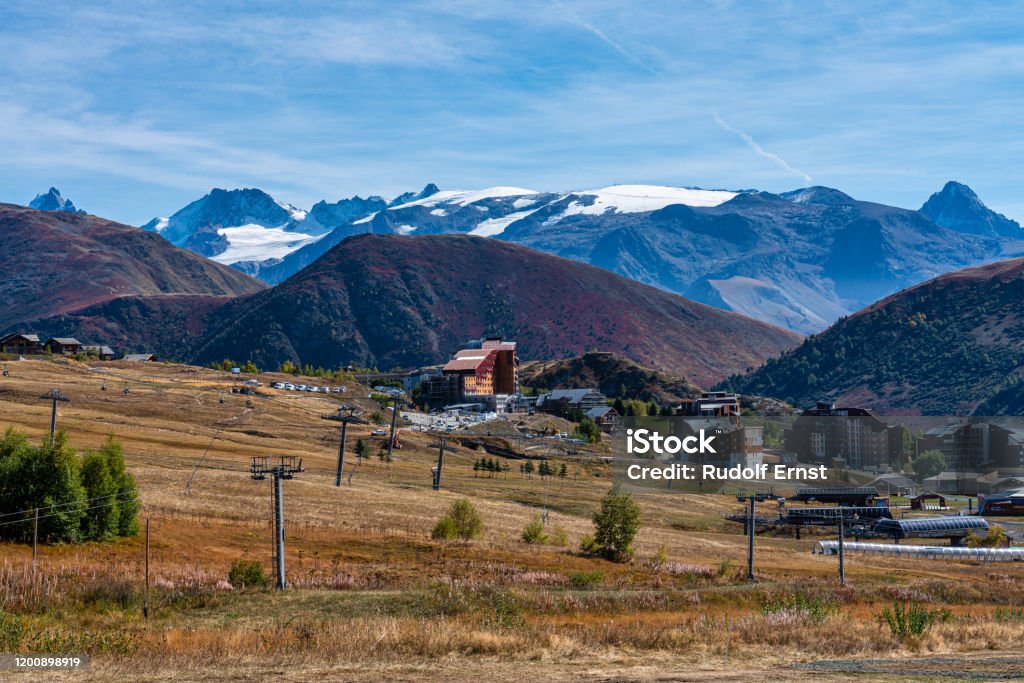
x: 289, y: 386
x: 378, y: 432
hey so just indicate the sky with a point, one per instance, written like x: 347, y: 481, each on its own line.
x: 135, y: 109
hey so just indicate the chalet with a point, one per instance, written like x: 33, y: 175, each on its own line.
x: 21, y: 344
x: 604, y: 416
x: 963, y: 483
x: 896, y: 485
x: 64, y: 345
x: 711, y: 404
x: 140, y: 357
x: 995, y: 482
x: 561, y: 401
x: 101, y: 352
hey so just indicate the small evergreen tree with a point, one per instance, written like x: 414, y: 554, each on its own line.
x: 100, y: 522
x: 616, y: 524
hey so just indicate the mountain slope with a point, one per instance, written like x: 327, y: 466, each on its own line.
x: 613, y: 374
x: 387, y: 300
x: 957, y: 207
x: 55, y: 262
x: 952, y: 345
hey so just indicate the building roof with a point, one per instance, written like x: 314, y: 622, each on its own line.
x: 28, y: 337
x: 597, y: 412
x: 571, y: 395
x: 464, y: 362
x: 64, y: 341
x: 897, y: 480
x: 953, y: 476
x: 139, y: 357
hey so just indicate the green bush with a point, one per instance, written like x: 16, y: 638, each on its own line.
x: 585, y: 579
x: 444, y: 530
x: 247, y: 574
x: 534, y: 532
x: 11, y: 629
x: 911, y: 620
x: 468, y: 523
x: 560, y: 537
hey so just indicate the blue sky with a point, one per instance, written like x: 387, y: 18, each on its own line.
x: 135, y: 109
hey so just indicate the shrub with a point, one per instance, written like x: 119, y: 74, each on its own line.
x: 247, y: 574
x: 560, y: 537
x: 995, y: 538
x: 615, y: 526
x: 911, y: 620
x: 534, y: 532
x: 814, y: 608
x: 585, y: 579
x: 11, y: 629
x: 468, y: 523
x: 444, y: 530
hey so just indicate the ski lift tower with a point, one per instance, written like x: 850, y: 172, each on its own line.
x: 279, y: 469
x: 345, y: 415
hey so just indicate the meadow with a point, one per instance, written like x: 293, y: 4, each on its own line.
x: 373, y: 597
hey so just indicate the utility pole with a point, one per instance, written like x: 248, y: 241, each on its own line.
x: 394, y: 418
x: 441, y: 445
x: 54, y: 395
x: 35, y: 541
x: 145, y: 594
x: 285, y: 467
x: 345, y: 419
x: 842, y: 534
x: 751, y: 528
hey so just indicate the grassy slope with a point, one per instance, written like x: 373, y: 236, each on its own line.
x: 381, y: 599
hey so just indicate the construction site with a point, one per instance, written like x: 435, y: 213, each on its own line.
x: 367, y: 594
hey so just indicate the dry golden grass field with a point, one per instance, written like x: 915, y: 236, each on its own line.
x: 374, y: 598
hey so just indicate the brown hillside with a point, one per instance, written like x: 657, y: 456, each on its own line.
x: 393, y: 301
x: 54, y: 262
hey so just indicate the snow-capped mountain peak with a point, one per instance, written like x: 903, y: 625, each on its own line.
x: 53, y: 201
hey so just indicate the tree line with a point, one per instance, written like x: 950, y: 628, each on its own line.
x: 88, y: 497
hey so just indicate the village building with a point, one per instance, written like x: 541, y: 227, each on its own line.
x: 970, y: 444
x: 563, y: 401
x: 63, y: 345
x: 711, y: 404
x: 100, y: 351
x: 21, y: 344
x: 854, y: 437
x: 605, y: 417
x: 487, y: 373
x: 896, y: 485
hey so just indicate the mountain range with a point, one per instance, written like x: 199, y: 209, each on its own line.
x: 376, y: 300
x: 799, y: 259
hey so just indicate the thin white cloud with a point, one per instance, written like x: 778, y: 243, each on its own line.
x: 761, y: 151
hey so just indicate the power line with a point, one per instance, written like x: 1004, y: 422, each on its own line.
x: 55, y: 505
x: 92, y: 507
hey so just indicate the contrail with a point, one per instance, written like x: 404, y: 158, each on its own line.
x: 584, y: 24
x: 761, y: 151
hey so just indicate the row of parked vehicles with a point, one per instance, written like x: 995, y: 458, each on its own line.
x: 288, y: 386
